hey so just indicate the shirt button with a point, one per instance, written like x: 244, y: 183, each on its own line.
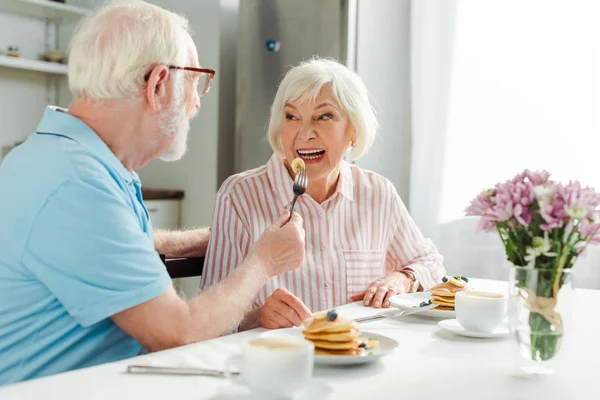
x: 323, y: 247
x: 327, y: 284
x: 321, y: 213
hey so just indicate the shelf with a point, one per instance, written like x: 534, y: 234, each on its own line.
x: 44, y: 9
x: 33, y: 65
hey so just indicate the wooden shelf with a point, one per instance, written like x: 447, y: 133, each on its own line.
x: 33, y: 65
x: 43, y: 9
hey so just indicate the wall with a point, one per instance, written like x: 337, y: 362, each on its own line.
x: 24, y: 94
x: 229, y: 16
x: 196, y: 172
x: 382, y: 61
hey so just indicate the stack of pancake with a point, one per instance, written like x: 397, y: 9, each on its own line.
x: 444, y: 293
x: 333, y: 335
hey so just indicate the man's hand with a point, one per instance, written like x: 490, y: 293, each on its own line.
x: 283, y: 310
x: 281, y: 246
x: 378, y: 293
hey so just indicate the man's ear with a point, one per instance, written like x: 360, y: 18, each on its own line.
x: 156, y: 89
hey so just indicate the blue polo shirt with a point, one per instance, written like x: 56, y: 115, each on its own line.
x: 75, y: 248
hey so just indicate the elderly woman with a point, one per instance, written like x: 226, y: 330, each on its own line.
x: 361, y: 243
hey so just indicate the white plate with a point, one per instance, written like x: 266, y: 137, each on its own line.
x: 453, y: 326
x: 411, y: 300
x: 386, y: 346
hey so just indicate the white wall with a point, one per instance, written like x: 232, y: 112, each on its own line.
x: 383, y: 62
x: 196, y: 173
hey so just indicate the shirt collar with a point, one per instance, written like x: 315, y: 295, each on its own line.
x: 282, y: 182
x: 56, y: 121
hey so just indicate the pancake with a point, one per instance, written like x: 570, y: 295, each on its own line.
x: 441, y: 293
x: 323, y: 344
x: 324, y: 325
x: 444, y: 308
x: 332, y: 337
x: 447, y: 289
x: 351, y: 352
x: 442, y: 301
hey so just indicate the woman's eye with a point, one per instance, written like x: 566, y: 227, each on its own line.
x: 290, y: 117
x: 325, y: 117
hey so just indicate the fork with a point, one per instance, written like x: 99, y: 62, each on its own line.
x: 300, y: 182
x: 395, y: 314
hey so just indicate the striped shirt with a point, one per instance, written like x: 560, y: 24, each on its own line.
x: 362, y: 232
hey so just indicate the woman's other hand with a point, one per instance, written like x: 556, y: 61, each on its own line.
x: 379, y: 291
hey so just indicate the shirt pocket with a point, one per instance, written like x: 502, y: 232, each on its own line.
x: 362, y: 268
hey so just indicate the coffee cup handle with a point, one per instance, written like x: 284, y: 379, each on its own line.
x: 231, y: 366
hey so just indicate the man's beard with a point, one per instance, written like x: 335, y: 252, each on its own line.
x: 176, y: 124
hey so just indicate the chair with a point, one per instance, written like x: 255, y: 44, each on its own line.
x: 183, y: 267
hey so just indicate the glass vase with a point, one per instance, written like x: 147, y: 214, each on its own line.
x: 539, y: 311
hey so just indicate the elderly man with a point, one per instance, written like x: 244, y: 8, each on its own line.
x: 80, y: 280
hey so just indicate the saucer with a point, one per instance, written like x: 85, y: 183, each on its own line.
x: 453, y: 326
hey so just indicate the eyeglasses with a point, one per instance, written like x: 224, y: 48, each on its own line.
x: 208, y: 73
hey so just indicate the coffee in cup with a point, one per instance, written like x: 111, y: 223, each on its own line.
x: 274, y: 367
x: 480, y: 311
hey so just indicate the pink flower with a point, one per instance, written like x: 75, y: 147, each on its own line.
x: 485, y: 225
x: 537, y: 177
x: 579, y: 202
x: 511, y: 203
x: 554, y: 216
x: 480, y: 205
x: 590, y: 231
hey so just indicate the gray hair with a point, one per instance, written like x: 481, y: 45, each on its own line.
x: 305, y: 81
x: 117, y: 45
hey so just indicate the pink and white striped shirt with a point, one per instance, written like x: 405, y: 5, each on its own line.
x: 362, y: 232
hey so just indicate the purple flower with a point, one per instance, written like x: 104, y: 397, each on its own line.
x: 537, y: 177
x: 590, y: 231
x: 579, y: 202
x: 519, y: 201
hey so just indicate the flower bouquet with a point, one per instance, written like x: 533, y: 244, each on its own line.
x: 544, y: 226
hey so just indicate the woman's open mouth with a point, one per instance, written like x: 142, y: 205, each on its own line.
x: 311, y: 156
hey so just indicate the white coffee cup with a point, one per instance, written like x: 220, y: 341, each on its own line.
x: 479, y: 311
x: 274, y: 368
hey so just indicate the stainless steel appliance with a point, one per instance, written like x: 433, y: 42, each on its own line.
x: 272, y: 36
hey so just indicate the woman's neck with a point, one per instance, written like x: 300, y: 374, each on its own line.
x: 322, y: 189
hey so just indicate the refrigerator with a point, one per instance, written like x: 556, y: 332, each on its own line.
x: 271, y: 37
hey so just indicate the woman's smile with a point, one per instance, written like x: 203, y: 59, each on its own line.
x: 311, y: 155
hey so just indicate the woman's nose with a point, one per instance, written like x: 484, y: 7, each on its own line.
x: 307, y: 132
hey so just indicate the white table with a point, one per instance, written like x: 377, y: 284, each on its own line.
x: 429, y: 364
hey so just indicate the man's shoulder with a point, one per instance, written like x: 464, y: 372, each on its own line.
x: 47, y: 161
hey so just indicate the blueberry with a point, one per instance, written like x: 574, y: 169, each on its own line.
x: 332, y: 315
x: 464, y: 278
x: 445, y: 279
x: 429, y: 302
x: 423, y: 304
x: 363, y: 345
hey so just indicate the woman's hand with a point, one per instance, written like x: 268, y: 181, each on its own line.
x: 378, y: 293
x: 283, y: 310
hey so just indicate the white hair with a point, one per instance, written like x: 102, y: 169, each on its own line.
x: 114, y: 48
x: 305, y: 81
